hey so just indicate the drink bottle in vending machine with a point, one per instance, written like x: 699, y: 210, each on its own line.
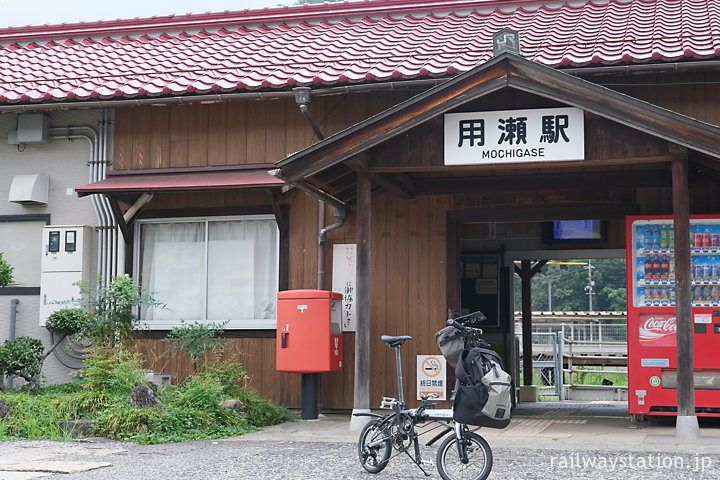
x: 651, y: 323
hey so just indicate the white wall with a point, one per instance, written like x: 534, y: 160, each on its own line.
x: 66, y: 163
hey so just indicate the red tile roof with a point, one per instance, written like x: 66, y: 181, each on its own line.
x: 339, y: 44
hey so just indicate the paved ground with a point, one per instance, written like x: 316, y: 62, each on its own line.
x: 544, y: 441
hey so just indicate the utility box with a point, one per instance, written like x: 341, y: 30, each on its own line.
x: 309, y: 331
x: 65, y: 261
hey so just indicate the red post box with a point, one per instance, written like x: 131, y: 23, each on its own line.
x: 309, y: 331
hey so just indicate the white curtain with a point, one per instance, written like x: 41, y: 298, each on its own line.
x: 173, y: 271
x: 238, y: 284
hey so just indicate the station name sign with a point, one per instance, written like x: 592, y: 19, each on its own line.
x: 510, y: 136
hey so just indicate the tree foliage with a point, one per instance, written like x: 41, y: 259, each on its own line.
x: 113, y: 317
x: 6, y: 276
x: 569, y: 282
x: 23, y: 357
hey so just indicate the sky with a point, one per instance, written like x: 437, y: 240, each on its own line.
x: 19, y: 13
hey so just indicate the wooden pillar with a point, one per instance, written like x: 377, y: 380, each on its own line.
x: 361, y: 399
x: 526, y: 282
x: 526, y: 272
x: 687, y: 426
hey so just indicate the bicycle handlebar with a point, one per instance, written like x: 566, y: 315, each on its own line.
x: 459, y: 322
x: 471, y: 335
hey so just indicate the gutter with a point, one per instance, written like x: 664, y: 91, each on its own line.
x: 217, y: 97
x: 637, y: 69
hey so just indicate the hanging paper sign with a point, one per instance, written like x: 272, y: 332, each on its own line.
x: 344, y: 280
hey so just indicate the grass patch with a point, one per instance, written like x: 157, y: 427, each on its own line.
x: 189, y: 411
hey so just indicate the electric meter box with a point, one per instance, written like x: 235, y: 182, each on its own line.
x: 309, y: 331
x: 65, y: 261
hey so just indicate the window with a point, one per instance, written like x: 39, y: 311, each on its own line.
x: 209, y: 269
x: 21, y: 246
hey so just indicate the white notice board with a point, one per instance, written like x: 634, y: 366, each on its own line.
x: 344, y: 281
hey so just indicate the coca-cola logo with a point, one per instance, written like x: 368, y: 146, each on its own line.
x: 661, y: 325
x: 656, y: 327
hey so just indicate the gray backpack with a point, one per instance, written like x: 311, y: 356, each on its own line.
x: 451, y: 343
x: 479, y: 367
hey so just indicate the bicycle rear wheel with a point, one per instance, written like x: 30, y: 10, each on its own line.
x: 374, y: 446
x: 479, y: 458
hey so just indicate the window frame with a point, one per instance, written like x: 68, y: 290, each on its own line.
x: 10, y: 290
x: 207, y: 219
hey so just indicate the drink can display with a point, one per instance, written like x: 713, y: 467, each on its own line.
x: 706, y: 240
x: 706, y: 271
x: 648, y: 295
x: 664, y: 295
x: 698, y: 271
x: 715, y: 240
x: 698, y: 293
x: 664, y: 234
x: 714, y: 272
x: 672, y: 295
x: 647, y: 238
x: 656, y: 294
x: 697, y: 240
x: 707, y: 293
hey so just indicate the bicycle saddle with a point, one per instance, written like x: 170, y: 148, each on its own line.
x: 393, y: 341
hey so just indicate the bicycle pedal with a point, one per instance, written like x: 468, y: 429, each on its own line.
x: 427, y: 463
x: 388, y: 403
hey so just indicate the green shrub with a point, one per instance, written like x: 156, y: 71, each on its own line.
x: 112, y: 370
x: 197, y: 339
x: 23, y: 357
x: 32, y: 417
x: 82, y: 404
x: 124, y: 422
x: 189, y: 411
x: 261, y: 412
x: 112, y: 320
x: 6, y: 276
x: 67, y: 320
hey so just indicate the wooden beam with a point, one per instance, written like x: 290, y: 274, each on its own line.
x: 400, y: 190
x: 643, y: 116
x: 394, y: 121
x: 550, y: 166
x: 515, y: 183
x: 118, y: 214
x: 683, y: 308
x: 537, y: 267
x: 546, y: 214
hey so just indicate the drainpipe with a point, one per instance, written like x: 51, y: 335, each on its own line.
x: 302, y: 98
x: 11, y: 334
x: 339, y: 213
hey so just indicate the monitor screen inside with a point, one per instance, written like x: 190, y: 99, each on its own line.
x: 577, y: 230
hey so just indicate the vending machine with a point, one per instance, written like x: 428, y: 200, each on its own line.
x: 651, y: 325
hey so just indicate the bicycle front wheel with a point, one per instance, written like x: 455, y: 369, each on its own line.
x: 478, y: 453
x: 375, y: 446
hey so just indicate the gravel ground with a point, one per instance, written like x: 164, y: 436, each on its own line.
x: 234, y: 458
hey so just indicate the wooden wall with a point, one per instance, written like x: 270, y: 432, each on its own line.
x: 237, y: 133
x: 408, y: 296
x: 408, y: 236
